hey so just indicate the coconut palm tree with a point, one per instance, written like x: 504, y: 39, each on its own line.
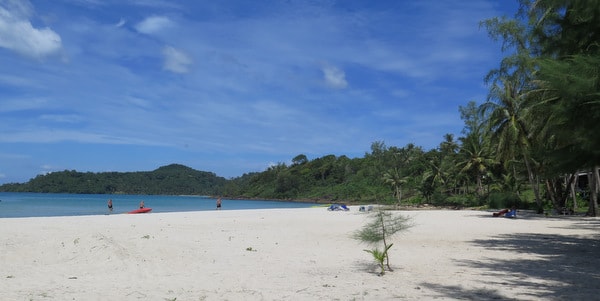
x: 393, y: 178
x: 507, y: 116
x: 476, y: 159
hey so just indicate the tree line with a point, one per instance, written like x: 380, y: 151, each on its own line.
x: 531, y: 144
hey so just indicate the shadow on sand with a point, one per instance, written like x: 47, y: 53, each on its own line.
x: 564, y: 268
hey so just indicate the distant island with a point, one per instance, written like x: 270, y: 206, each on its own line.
x: 174, y: 179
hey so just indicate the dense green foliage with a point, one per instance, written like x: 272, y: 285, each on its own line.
x: 545, y: 97
x: 332, y: 178
x: 527, y: 145
x: 168, y: 180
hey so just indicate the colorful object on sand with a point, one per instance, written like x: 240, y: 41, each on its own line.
x: 141, y: 210
x: 512, y: 213
x: 500, y: 213
x: 338, y: 207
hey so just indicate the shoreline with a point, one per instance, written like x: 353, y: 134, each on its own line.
x: 296, y: 254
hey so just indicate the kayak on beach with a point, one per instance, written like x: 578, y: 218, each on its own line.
x: 141, y: 210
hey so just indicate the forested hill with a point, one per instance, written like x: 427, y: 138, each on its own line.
x: 172, y: 179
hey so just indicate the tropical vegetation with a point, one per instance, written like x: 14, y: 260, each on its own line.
x: 173, y: 179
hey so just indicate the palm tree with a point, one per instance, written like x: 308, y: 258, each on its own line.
x: 395, y: 180
x: 435, y: 176
x: 476, y: 159
x: 507, y: 120
x: 448, y: 147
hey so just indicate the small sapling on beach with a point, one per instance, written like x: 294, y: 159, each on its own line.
x: 379, y: 230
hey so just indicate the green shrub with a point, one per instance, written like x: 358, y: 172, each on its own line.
x: 500, y: 199
x: 438, y: 199
x: 415, y: 200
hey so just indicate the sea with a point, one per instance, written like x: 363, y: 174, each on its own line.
x: 58, y: 204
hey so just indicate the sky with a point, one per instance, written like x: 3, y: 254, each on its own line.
x: 232, y: 86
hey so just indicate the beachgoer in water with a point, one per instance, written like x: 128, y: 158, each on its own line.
x: 110, y: 207
x: 219, y: 204
x: 142, y: 205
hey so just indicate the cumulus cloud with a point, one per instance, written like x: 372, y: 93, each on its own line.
x: 334, y: 77
x: 175, y: 60
x: 154, y: 24
x: 18, y: 34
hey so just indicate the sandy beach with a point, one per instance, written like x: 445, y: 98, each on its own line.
x: 297, y: 254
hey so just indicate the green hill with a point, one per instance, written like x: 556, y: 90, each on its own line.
x: 174, y: 179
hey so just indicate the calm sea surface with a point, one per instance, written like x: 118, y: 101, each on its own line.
x: 50, y: 204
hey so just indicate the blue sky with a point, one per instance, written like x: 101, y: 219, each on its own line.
x: 232, y: 86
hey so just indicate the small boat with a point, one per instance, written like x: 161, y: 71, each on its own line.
x: 141, y: 210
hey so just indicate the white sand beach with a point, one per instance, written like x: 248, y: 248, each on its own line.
x: 297, y: 254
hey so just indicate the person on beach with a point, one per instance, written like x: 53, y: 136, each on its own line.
x: 110, y: 207
x: 218, y: 203
x: 142, y: 205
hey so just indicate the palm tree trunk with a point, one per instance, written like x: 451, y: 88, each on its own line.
x: 574, y: 192
x: 516, y: 177
x: 594, y: 184
x: 534, y: 186
x: 479, y: 185
x: 551, y: 192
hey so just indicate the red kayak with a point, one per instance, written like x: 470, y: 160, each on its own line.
x: 141, y: 210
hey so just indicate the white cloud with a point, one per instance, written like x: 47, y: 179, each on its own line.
x: 334, y: 77
x: 175, y: 60
x: 21, y: 9
x: 121, y: 23
x: 18, y: 34
x: 154, y: 24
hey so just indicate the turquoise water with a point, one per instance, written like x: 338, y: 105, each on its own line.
x: 50, y: 204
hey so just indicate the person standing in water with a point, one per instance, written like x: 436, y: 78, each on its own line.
x: 218, y: 203
x: 142, y: 205
x: 110, y: 206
